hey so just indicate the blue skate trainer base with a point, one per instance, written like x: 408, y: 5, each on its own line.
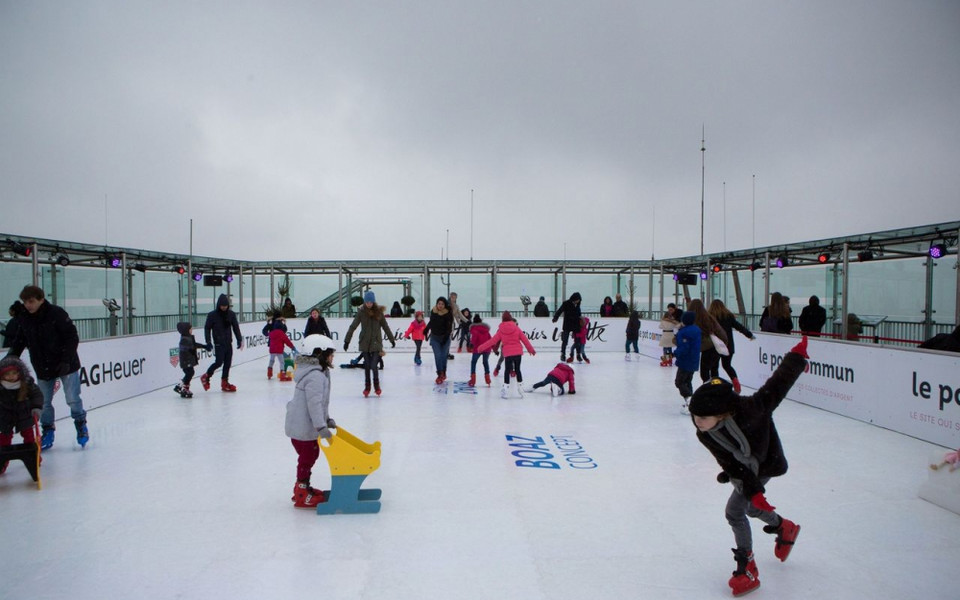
x: 351, y: 460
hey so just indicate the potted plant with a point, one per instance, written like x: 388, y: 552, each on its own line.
x: 407, y: 302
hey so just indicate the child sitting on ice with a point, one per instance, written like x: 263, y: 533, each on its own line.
x: 21, y: 402
x: 561, y: 374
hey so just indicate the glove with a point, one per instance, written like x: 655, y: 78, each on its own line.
x: 239, y: 344
x: 393, y: 344
x: 331, y: 424
x: 801, y: 348
x: 345, y: 346
x: 722, y: 477
x: 209, y: 347
x: 325, y: 433
x: 760, y: 502
x: 36, y: 414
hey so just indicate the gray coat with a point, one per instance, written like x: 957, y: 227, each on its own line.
x: 309, y: 410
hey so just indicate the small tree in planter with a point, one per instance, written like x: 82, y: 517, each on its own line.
x: 356, y: 301
x: 407, y: 302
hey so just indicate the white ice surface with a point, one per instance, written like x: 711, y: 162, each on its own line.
x: 189, y: 499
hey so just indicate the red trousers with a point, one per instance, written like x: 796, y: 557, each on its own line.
x: 307, y: 454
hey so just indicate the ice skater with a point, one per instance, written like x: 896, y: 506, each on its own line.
x: 512, y: 340
x: 561, y: 374
x: 308, y: 413
x: 740, y: 433
x: 479, y: 334
x: 278, y: 340
x: 580, y: 341
x: 633, y: 334
x: 370, y: 317
x: 570, y: 309
x: 221, y: 324
x: 188, y: 358
x: 415, y: 332
x: 438, y: 331
x: 688, y: 357
x: 21, y: 403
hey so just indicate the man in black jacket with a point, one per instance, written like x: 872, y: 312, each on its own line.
x: 813, y: 317
x: 570, y: 309
x: 221, y: 323
x: 51, y: 337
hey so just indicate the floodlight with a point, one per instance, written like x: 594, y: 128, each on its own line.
x: 22, y: 249
x: 755, y: 266
x: 63, y: 260
x: 197, y: 275
x: 938, y: 250
x: 782, y: 261
x: 717, y: 268
x: 865, y: 255
x: 703, y: 274
x: 140, y: 267
x: 823, y: 257
x: 228, y: 277
x: 179, y: 270
x: 115, y: 262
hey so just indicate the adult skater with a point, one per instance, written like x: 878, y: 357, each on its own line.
x: 371, y: 319
x: 47, y: 331
x: 221, y: 326
x: 719, y: 311
x: 570, y: 309
x: 741, y: 435
x: 438, y: 331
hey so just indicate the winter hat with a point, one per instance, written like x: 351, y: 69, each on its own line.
x: 183, y: 327
x: 11, y: 363
x: 369, y: 296
x: 419, y: 313
x: 507, y: 316
x: 715, y: 397
x: 687, y: 318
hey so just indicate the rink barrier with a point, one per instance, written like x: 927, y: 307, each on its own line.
x: 911, y: 391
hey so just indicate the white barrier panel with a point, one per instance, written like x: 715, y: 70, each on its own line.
x: 910, y: 391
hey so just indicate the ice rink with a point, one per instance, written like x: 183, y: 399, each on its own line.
x: 178, y: 498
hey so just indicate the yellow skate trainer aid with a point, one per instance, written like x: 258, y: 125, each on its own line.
x: 351, y: 460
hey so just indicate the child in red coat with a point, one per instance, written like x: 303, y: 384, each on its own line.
x: 580, y: 341
x: 277, y: 340
x: 415, y: 333
x: 479, y: 334
x: 561, y: 374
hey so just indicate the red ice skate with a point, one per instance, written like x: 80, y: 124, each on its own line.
x: 747, y: 577
x: 787, y: 534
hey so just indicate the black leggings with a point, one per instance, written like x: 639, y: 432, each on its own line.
x: 709, y: 364
x: 725, y: 362
x: 512, y: 363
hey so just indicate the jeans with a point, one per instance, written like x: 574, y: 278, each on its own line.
x: 276, y: 357
x: 564, y: 338
x: 440, y: 351
x: 629, y: 344
x: 71, y: 389
x: 418, y: 343
x: 370, y: 360
x: 486, y: 362
x: 738, y: 509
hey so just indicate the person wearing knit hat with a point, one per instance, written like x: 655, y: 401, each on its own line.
x: 687, y: 357
x: 740, y: 433
x: 21, y: 402
x: 371, y: 319
x: 513, y: 340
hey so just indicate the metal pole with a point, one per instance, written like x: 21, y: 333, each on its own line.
x: 703, y: 150
x: 37, y: 277
x: 956, y: 307
x: 340, y: 290
x: 240, y: 290
x: 845, y: 287
x: 493, y: 289
x: 253, y: 293
x: 125, y: 292
x: 190, y: 278
x: 928, y: 300
x: 471, y: 224
x: 766, y: 278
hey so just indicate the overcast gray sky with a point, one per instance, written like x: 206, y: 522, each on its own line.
x: 357, y: 130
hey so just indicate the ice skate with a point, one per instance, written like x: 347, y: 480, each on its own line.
x: 46, y: 439
x: 685, y: 407
x: 304, y: 496
x: 787, y: 534
x: 586, y: 360
x: 439, y: 378
x: 205, y: 381
x: 626, y: 357
x: 519, y: 389
x: 269, y: 372
x: 486, y: 377
x: 366, y: 390
x: 664, y: 362
x: 736, y: 384
x: 226, y: 386
x: 443, y: 376
x: 178, y: 389
x: 376, y: 389
x: 83, y: 436
x: 503, y: 391
x: 746, y: 578
x: 496, y: 372
x: 473, y: 380
x: 185, y: 391
x: 570, y: 359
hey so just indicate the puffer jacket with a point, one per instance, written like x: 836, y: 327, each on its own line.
x: 279, y: 340
x: 415, y: 331
x: 564, y: 374
x: 188, y: 346
x: 221, y: 323
x: 512, y: 338
x: 371, y: 321
x: 52, y: 339
x: 570, y: 312
x: 309, y: 409
x: 479, y: 335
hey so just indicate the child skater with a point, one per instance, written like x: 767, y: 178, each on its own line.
x: 188, y: 358
x: 669, y: 325
x: 479, y: 334
x: 740, y: 433
x: 561, y: 374
x: 278, y: 339
x: 633, y: 334
x: 514, y: 340
x: 688, y: 357
x: 21, y: 402
x: 415, y: 333
x: 308, y: 413
x: 580, y: 340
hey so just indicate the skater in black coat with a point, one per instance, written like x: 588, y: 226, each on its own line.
x: 221, y: 323
x: 741, y: 435
x: 570, y: 309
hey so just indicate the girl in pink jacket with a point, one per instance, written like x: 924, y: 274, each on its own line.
x: 479, y: 334
x: 561, y: 374
x: 415, y: 333
x: 512, y: 341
